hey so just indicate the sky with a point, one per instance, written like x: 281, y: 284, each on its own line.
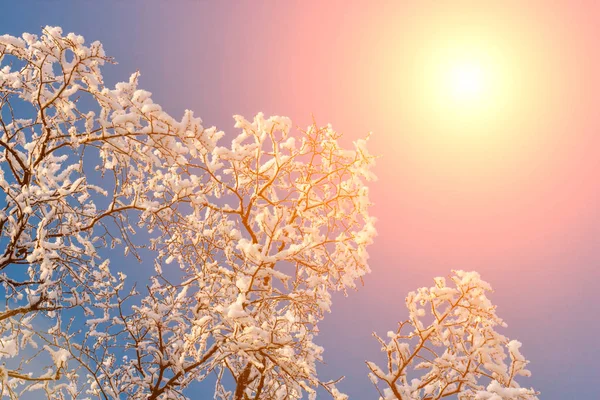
x: 498, y: 174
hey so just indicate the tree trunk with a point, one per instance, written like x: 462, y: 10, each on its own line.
x: 242, y: 382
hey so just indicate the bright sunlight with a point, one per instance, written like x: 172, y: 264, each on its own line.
x: 467, y: 81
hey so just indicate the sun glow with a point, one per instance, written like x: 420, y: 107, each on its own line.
x: 461, y: 82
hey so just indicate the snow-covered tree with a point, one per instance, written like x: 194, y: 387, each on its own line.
x: 247, y: 242
x: 244, y: 245
x: 448, y: 345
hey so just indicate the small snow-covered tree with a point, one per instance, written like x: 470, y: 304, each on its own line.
x: 248, y: 242
x: 448, y: 345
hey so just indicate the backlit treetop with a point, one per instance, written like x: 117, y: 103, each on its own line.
x: 261, y: 232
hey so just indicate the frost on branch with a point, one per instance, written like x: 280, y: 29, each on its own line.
x: 449, y: 346
x: 248, y: 240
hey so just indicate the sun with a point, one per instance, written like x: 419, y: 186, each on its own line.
x: 465, y: 84
x: 466, y: 81
x: 451, y: 77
